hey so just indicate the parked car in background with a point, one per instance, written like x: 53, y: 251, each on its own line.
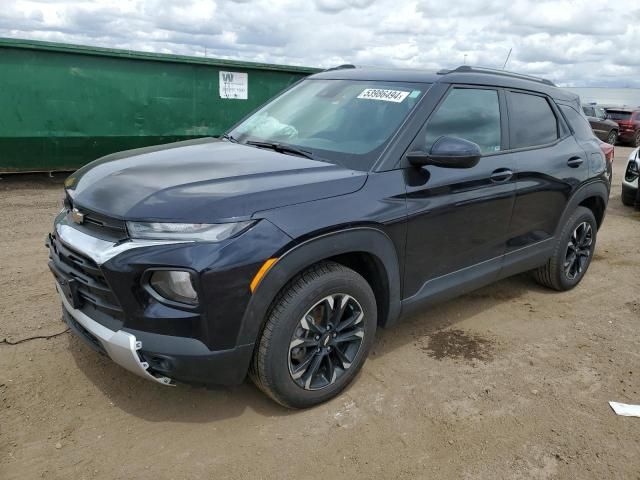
x: 605, y: 129
x: 630, y: 180
x: 629, y: 122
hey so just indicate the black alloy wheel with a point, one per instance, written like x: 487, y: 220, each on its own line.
x: 326, y: 342
x: 578, y: 251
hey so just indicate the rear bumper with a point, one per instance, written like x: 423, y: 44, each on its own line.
x: 160, y: 358
x: 627, y: 135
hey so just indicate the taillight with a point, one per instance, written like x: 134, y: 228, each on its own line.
x: 608, y: 151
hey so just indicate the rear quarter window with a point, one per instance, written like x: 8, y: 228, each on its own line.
x: 578, y: 123
x: 531, y: 120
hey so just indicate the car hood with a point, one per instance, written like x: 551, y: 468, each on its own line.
x: 202, y: 181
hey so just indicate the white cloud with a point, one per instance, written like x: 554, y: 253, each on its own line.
x: 573, y: 42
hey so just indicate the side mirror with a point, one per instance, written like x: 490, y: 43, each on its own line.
x: 448, y: 152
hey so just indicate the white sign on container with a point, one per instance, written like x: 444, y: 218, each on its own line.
x: 234, y: 85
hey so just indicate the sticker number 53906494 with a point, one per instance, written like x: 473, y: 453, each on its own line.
x: 396, y: 96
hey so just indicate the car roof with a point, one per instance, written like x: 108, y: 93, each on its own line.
x: 461, y: 75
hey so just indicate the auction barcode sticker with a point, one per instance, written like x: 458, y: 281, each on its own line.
x: 396, y: 96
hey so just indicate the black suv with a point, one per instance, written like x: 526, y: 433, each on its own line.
x: 347, y: 202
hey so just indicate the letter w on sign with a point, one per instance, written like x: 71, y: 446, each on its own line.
x: 234, y: 85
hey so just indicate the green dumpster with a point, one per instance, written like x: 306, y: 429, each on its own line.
x: 65, y: 105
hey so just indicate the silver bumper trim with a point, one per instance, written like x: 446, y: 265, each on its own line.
x: 122, y: 347
x: 98, y: 250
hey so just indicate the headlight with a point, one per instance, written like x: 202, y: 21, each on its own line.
x: 209, y: 232
x: 633, y: 171
x: 174, y: 285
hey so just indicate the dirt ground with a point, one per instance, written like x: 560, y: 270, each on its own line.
x: 511, y: 381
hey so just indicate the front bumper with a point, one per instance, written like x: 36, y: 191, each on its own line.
x: 120, y: 346
x: 160, y: 342
x: 160, y: 358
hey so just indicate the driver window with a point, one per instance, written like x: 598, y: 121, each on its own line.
x: 469, y: 113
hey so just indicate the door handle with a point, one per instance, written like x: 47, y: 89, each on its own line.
x: 501, y: 175
x: 575, y: 162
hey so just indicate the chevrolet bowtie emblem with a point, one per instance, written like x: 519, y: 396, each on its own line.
x: 77, y: 216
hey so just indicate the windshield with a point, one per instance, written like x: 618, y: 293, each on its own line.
x: 613, y: 115
x: 346, y: 122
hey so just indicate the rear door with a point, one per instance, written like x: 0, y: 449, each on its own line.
x: 584, y: 137
x: 550, y: 166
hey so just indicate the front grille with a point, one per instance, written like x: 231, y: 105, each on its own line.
x: 112, y: 227
x: 66, y: 264
x: 97, y: 224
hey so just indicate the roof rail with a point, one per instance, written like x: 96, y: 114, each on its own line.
x: 340, y: 67
x: 493, y: 71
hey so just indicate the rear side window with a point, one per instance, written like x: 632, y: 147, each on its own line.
x: 578, y: 123
x: 531, y: 121
x: 469, y: 113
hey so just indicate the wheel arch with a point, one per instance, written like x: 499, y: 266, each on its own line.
x: 596, y: 205
x: 367, y: 250
x: 594, y: 196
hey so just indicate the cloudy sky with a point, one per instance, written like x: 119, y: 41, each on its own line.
x: 573, y: 42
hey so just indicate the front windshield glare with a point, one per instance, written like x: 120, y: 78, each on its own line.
x: 340, y: 121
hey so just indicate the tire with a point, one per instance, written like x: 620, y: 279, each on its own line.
x: 636, y: 140
x: 612, y: 137
x: 292, y: 335
x: 554, y: 273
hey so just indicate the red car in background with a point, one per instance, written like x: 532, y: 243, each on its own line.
x: 629, y: 122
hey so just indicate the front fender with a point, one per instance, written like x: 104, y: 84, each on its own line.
x: 359, y: 239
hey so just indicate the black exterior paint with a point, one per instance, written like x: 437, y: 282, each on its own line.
x: 432, y: 232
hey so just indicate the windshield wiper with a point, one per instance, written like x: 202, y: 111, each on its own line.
x: 231, y: 138
x: 281, y: 148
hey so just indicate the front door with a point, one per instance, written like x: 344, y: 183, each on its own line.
x: 458, y: 218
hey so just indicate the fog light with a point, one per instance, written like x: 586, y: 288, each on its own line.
x: 174, y: 285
